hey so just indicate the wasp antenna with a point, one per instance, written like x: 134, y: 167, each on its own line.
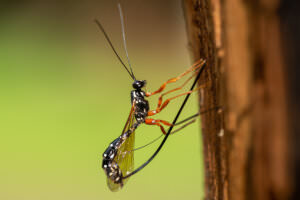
x: 124, y: 37
x: 112, y: 46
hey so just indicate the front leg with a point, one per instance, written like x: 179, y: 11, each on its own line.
x: 198, y: 64
x: 161, y: 105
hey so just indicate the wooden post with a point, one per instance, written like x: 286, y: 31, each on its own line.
x: 246, y: 146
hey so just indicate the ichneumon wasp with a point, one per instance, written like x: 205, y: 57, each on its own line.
x: 118, y: 159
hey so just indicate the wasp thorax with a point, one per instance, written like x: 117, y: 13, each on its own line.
x: 138, y: 84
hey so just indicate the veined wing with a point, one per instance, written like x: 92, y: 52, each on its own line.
x: 125, y: 157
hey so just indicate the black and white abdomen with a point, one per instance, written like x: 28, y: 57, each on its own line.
x: 110, y: 166
x: 141, y: 105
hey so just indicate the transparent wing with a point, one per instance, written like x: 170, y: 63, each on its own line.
x: 125, y: 157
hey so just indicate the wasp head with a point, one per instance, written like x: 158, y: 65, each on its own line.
x: 138, y: 84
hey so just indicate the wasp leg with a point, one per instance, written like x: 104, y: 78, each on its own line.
x: 158, y: 122
x: 188, y: 120
x: 183, y: 126
x: 198, y: 64
x: 192, y: 119
x: 217, y: 108
x: 173, y: 90
x: 161, y: 105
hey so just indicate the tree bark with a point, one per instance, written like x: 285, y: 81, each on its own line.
x: 246, y: 145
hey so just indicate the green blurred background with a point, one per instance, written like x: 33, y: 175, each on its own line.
x: 64, y: 97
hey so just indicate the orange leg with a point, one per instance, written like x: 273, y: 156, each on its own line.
x: 161, y: 105
x: 158, y: 122
x: 197, y: 65
x: 173, y: 90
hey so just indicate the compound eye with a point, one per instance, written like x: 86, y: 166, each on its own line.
x: 135, y: 85
x: 138, y: 84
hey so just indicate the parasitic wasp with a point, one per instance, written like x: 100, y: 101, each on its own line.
x: 118, y: 158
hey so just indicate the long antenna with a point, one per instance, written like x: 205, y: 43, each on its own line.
x: 112, y: 46
x: 124, y: 37
x: 170, y: 129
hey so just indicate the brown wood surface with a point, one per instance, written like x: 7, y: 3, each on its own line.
x: 246, y: 151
